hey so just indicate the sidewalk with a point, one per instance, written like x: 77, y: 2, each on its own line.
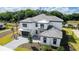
x: 2, y: 48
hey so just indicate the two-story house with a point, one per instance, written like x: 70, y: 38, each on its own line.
x: 48, y: 29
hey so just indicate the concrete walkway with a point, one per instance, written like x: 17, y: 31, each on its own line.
x: 16, y: 43
x: 2, y: 48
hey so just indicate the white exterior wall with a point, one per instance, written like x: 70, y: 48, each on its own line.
x: 45, y: 25
x: 29, y: 26
x: 49, y: 41
x: 57, y: 24
x: 32, y: 26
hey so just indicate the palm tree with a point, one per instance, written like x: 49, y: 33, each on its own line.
x: 30, y: 38
x: 12, y: 29
x: 78, y: 26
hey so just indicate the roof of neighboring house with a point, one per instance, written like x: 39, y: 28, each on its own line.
x: 53, y: 32
x: 26, y: 20
x: 41, y: 17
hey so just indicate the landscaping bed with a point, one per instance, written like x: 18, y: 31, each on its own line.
x: 37, y: 47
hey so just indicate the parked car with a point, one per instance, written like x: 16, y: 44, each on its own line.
x: 2, y: 25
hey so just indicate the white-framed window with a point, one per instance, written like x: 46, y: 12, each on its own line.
x: 24, y: 25
x: 44, y: 39
x: 42, y: 25
x: 36, y: 25
x: 54, y: 41
x: 36, y: 32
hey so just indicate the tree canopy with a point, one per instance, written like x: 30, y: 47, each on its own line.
x: 22, y: 14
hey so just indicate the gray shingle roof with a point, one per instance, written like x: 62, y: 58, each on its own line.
x: 41, y: 17
x: 52, y: 33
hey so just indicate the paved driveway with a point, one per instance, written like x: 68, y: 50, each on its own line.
x: 16, y: 43
x: 2, y: 48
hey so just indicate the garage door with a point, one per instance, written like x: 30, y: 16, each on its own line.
x: 25, y: 34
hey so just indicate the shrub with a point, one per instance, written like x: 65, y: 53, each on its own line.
x: 30, y: 38
x: 46, y: 48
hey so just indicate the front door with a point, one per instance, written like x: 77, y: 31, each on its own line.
x: 25, y: 34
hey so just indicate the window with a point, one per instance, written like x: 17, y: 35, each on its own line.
x: 44, y: 39
x: 36, y: 32
x: 36, y: 25
x: 25, y: 34
x: 42, y: 25
x: 54, y: 41
x: 24, y: 25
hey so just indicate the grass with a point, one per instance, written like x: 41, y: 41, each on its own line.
x: 68, y: 31
x: 73, y: 22
x: 74, y: 40
x: 9, y: 25
x: 6, y: 39
x: 1, y: 31
x: 21, y: 49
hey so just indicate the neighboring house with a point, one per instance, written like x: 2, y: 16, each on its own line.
x: 2, y: 25
x: 48, y: 29
x: 74, y: 24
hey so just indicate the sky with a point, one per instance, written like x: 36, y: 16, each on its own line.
x: 66, y: 10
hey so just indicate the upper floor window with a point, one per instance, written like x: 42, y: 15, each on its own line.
x: 42, y: 25
x: 36, y: 32
x: 44, y: 39
x: 36, y: 25
x: 24, y: 25
x: 54, y: 41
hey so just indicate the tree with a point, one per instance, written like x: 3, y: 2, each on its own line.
x: 30, y: 13
x: 42, y: 12
x: 6, y: 16
x: 12, y: 29
x: 56, y: 13
x: 75, y: 16
x: 78, y: 26
x: 30, y: 38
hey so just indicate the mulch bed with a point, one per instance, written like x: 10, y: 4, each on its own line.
x: 31, y: 46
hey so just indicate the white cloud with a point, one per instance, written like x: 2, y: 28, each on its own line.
x: 66, y: 10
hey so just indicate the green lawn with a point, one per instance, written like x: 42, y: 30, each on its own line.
x: 1, y: 31
x: 74, y: 41
x: 22, y: 49
x: 6, y: 39
x: 73, y: 22
x: 9, y: 25
x: 68, y: 30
